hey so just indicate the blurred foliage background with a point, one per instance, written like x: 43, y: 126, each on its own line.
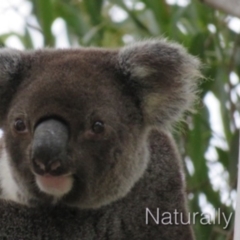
x: 208, y: 140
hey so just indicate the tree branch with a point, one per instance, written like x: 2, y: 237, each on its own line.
x: 231, y: 7
x: 237, y: 212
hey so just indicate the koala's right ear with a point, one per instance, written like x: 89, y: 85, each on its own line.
x: 11, y: 67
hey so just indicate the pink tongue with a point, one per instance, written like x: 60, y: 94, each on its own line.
x: 54, y: 182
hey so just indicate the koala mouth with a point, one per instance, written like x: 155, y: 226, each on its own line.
x: 56, y: 186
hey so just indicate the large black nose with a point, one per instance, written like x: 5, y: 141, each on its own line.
x: 49, y: 148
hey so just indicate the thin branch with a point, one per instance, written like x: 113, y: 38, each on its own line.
x: 34, y: 27
x: 231, y: 66
x: 237, y: 212
x: 231, y: 7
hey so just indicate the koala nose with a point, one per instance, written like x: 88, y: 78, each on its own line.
x: 49, y: 147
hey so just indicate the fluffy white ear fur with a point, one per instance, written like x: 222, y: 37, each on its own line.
x: 167, y: 76
x: 9, y: 62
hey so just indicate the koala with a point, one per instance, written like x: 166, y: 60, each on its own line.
x: 89, y: 130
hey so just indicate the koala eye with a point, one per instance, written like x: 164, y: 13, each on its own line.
x: 98, y: 127
x: 20, y: 125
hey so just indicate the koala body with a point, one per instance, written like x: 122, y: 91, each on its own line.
x: 89, y: 128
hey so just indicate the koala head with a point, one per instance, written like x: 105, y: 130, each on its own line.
x: 76, y: 121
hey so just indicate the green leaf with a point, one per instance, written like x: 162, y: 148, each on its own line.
x: 73, y: 17
x: 44, y: 10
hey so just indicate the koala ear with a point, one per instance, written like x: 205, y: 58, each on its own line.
x: 164, y: 77
x: 10, y: 68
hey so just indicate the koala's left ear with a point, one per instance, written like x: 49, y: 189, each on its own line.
x: 11, y: 65
x: 164, y: 76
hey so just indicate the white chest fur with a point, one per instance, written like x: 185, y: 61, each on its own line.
x: 8, y: 185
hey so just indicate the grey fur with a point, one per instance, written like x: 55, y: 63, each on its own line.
x: 10, y: 61
x: 169, y: 71
x: 138, y: 92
